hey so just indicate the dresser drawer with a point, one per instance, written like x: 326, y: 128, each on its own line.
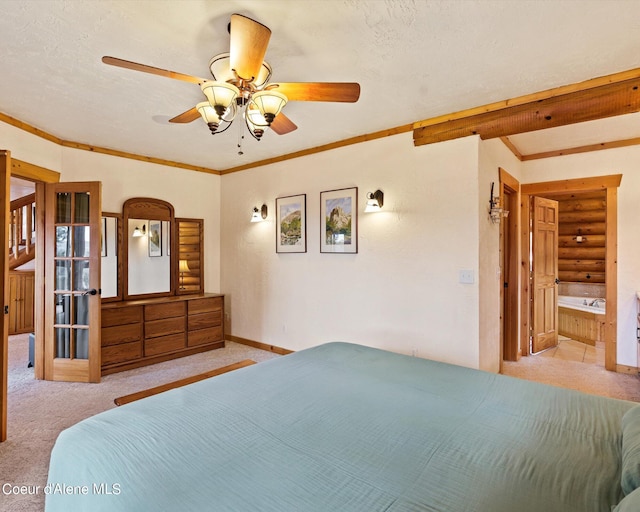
x: 205, y: 305
x: 167, y: 310
x: 204, y: 320
x: 121, y: 353
x: 202, y: 336
x: 121, y: 334
x: 121, y: 316
x: 163, y: 344
x: 164, y: 327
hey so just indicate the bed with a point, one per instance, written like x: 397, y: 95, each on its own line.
x: 343, y: 427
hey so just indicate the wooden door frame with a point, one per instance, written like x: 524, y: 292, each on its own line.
x: 509, y: 259
x: 25, y: 170
x: 547, y: 189
x: 5, y: 191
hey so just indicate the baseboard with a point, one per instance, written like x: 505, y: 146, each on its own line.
x: 257, y: 344
x: 631, y: 370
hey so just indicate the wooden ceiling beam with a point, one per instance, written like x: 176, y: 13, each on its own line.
x: 598, y: 98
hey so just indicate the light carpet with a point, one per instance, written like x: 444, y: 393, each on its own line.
x: 39, y: 410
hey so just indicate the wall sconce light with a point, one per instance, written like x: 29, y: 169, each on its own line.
x: 137, y: 232
x: 183, y: 267
x: 580, y: 238
x: 495, y: 211
x: 375, y: 200
x: 259, y: 215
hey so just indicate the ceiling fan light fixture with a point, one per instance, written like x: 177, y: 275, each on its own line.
x: 209, y: 115
x: 269, y: 103
x: 255, y: 122
x: 220, y: 95
x: 220, y: 68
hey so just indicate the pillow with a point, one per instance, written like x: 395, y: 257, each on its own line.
x: 630, y: 504
x: 631, y: 451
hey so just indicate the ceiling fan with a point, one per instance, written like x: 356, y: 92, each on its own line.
x: 241, y: 87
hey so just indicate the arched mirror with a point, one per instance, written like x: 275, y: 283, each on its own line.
x: 149, y: 258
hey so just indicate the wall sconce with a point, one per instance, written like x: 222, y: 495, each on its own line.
x: 137, y: 232
x: 183, y: 267
x: 580, y: 238
x: 495, y: 211
x: 259, y: 215
x: 375, y: 201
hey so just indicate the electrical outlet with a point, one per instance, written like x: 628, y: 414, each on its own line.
x: 466, y: 277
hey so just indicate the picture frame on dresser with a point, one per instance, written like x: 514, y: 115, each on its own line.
x: 339, y: 221
x: 291, y: 224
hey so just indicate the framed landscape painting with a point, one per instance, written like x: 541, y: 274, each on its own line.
x: 291, y: 223
x: 339, y: 221
x: 155, y: 238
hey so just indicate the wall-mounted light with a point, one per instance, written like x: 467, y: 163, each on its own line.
x: 495, y: 211
x: 137, y: 232
x: 375, y: 200
x: 580, y: 238
x: 258, y: 215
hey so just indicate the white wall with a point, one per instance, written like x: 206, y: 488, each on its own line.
x: 192, y: 194
x: 493, y: 154
x: 401, y: 291
x: 625, y: 161
x: 30, y: 148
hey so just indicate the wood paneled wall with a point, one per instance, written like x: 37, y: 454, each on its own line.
x: 582, y: 215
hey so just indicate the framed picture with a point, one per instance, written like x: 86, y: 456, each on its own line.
x: 155, y: 238
x: 291, y: 223
x: 103, y: 238
x: 339, y: 221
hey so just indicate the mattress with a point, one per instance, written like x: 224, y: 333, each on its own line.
x: 343, y: 427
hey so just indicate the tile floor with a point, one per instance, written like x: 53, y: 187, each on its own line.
x: 572, y: 350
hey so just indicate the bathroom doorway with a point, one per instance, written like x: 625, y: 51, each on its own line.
x: 607, y: 187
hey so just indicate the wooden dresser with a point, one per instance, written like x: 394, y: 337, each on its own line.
x: 141, y: 332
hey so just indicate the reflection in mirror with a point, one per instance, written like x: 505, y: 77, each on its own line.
x: 110, y: 238
x: 149, y: 258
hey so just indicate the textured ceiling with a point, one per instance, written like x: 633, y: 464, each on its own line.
x: 434, y: 57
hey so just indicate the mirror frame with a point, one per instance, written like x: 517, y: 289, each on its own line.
x: 149, y: 209
x: 118, y: 296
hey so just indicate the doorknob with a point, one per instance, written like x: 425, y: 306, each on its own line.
x: 93, y: 291
x: 557, y: 281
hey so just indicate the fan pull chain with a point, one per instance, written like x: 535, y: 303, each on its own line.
x: 240, y: 135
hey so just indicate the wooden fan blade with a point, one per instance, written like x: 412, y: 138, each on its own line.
x: 282, y: 124
x: 347, y: 92
x: 187, y: 117
x: 249, y: 40
x: 113, y: 61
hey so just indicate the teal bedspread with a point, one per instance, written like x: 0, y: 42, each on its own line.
x: 346, y: 428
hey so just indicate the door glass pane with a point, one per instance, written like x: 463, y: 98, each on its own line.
x: 63, y: 342
x: 82, y: 208
x: 81, y: 241
x: 81, y: 309
x: 63, y: 309
x: 63, y: 242
x: 63, y: 275
x: 63, y: 208
x: 80, y: 275
x: 81, y: 345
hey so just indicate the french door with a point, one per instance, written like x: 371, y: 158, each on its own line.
x: 72, y: 281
